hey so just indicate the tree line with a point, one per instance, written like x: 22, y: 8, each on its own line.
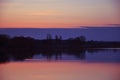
x: 20, y: 47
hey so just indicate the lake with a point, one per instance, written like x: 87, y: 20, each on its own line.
x: 101, y: 64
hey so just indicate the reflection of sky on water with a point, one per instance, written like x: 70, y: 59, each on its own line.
x: 98, y: 56
x: 103, y: 56
x: 59, y: 71
x: 62, y: 57
x: 106, y: 67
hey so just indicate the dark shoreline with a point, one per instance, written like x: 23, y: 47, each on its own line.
x: 20, y: 48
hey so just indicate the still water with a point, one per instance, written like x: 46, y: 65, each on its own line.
x: 94, y: 65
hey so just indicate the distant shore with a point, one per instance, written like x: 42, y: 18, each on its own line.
x: 20, y: 48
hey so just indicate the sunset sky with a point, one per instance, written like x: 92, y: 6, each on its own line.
x: 58, y: 13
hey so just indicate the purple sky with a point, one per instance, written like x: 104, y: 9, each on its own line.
x: 99, y: 34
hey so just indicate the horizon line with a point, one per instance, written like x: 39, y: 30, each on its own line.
x: 81, y: 27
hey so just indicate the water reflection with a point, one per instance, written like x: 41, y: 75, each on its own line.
x: 89, y: 55
x: 59, y: 71
x: 109, y: 55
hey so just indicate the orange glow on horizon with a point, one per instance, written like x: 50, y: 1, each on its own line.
x: 57, y: 13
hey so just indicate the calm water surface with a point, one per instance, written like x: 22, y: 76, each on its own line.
x: 97, y: 65
x: 95, y: 55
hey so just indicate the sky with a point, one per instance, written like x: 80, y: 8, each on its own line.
x: 58, y: 13
x: 97, y: 34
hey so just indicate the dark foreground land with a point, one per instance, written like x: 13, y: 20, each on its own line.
x: 20, y: 48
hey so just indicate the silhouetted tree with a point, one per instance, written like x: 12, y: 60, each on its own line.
x: 22, y: 47
x: 49, y: 36
x: 60, y: 38
x: 56, y: 37
x: 4, y: 39
x: 3, y: 57
x: 82, y: 38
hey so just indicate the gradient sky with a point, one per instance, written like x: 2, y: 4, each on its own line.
x: 58, y: 13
